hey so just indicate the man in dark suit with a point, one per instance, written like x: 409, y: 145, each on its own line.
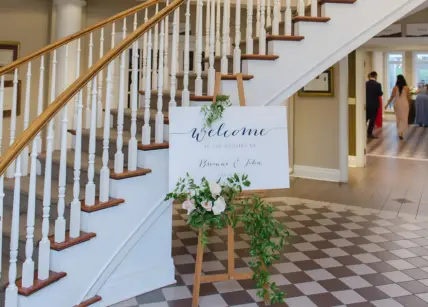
x: 373, y: 92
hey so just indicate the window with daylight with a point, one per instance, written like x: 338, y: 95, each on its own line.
x: 395, y: 67
x: 420, y: 68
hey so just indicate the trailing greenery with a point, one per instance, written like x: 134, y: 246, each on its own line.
x: 214, y: 111
x: 215, y: 206
x: 268, y: 237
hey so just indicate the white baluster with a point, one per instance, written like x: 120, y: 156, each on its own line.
x: 90, y: 186
x: 105, y: 171
x: 287, y: 18
x: 258, y: 19
x: 133, y: 144
x: 224, y: 60
x: 227, y: 4
x: 119, y: 158
x: 159, y: 121
x: 44, y: 244
x: 300, y: 8
x: 217, y: 30
x: 262, y: 37
x: 166, y: 52
x: 268, y: 14
x: 2, y: 176
x: 211, y: 70
x: 146, y: 134
x: 155, y: 54
x: 28, y: 266
x: 198, y: 81
x: 276, y: 17
x: 207, y: 28
x: 12, y: 289
x: 143, y: 80
x: 112, y: 44
x: 314, y: 8
x: 249, y: 42
x: 24, y: 159
x: 195, y: 50
x: 11, y: 170
x: 89, y: 87
x: 185, y: 94
x: 60, y: 221
x: 100, y: 85
x: 75, y: 208
x: 40, y: 99
x: 237, y: 50
x: 174, y: 53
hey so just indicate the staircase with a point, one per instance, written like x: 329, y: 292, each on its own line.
x: 83, y: 217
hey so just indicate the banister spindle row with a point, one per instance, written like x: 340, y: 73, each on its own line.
x: 2, y: 176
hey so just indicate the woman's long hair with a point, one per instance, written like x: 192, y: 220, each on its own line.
x: 401, y: 82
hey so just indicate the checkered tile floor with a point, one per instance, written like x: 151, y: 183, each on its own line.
x: 339, y: 256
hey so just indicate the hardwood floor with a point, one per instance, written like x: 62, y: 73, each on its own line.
x: 386, y: 184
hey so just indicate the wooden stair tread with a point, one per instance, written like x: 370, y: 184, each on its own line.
x: 233, y: 77
x: 153, y: 146
x: 90, y: 301
x: 260, y: 57
x: 39, y: 284
x: 291, y: 38
x: 112, y: 202
x: 69, y: 242
x: 201, y: 98
x: 130, y: 174
x: 310, y: 19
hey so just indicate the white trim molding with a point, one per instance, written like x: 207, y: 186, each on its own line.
x: 316, y: 173
x: 352, y: 161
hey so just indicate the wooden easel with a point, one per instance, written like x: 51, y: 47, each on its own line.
x: 231, y: 273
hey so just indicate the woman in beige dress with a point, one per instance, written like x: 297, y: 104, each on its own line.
x: 401, y: 96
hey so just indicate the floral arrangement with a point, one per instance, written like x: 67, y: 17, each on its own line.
x: 215, y: 205
x: 208, y: 204
x: 413, y: 92
x: 214, y: 111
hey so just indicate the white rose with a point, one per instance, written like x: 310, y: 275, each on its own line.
x: 219, y: 206
x: 207, y: 205
x: 188, y: 205
x: 215, y: 189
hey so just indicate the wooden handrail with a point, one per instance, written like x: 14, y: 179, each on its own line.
x: 37, y: 125
x: 74, y: 36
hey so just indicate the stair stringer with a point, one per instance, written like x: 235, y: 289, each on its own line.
x: 325, y: 44
x: 87, y: 265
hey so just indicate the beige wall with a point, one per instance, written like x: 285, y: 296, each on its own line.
x: 26, y: 22
x: 316, y: 137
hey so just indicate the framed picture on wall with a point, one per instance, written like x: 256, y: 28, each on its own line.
x: 323, y: 85
x: 8, y: 99
x: 9, y: 52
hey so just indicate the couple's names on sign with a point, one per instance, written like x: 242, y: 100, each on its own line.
x: 246, y: 140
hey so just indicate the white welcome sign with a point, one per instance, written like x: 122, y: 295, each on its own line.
x: 246, y: 140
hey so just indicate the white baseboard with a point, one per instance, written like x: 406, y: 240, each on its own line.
x: 316, y: 173
x: 352, y: 161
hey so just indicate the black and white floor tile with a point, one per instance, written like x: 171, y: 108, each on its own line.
x: 339, y: 256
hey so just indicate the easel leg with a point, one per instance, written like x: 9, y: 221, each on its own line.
x: 198, y: 271
x: 267, y: 297
x: 230, y: 252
